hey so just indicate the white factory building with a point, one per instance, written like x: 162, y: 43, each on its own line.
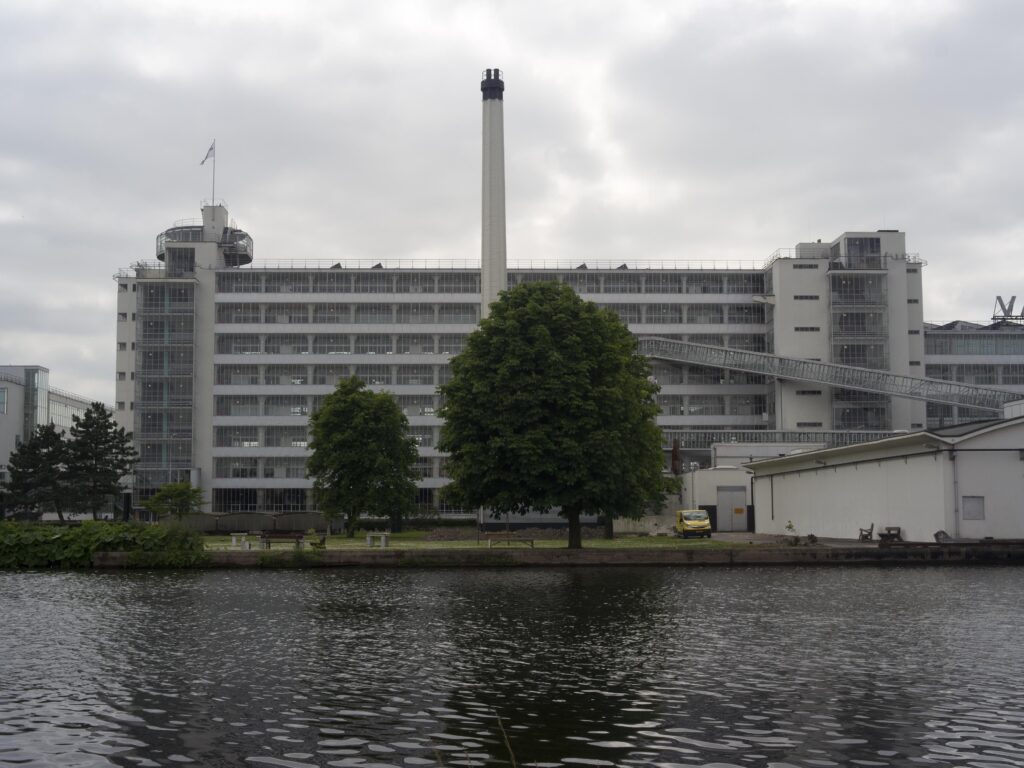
x: 221, y: 359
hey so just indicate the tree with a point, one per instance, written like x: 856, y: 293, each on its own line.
x: 100, y: 456
x: 362, y: 458
x: 175, y: 499
x: 550, y: 405
x: 39, y: 478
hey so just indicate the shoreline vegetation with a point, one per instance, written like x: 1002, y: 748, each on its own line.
x: 107, y: 545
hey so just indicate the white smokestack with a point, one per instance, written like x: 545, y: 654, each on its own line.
x: 492, y: 247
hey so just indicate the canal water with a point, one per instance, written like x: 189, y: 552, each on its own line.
x: 594, y: 667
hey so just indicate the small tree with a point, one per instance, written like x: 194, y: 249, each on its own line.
x: 100, y: 456
x: 39, y: 478
x: 177, y: 500
x: 551, y: 406
x: 362, y: 458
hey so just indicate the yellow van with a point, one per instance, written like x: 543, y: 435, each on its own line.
x: 693, y: 522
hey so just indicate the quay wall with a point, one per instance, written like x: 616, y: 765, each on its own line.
x: 914, y: 554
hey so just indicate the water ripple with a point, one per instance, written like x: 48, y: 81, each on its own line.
x: 633, y: 667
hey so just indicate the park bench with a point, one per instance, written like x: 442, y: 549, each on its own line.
x: 267, y: 538
x: 892, y: 533
x: 381, y: 536
x: 508, y: 538
x: 865, y: 533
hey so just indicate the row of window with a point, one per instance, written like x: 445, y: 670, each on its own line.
x: 319, y: 375
x: 331, y: 281
x: 712, y: 405
x: 294, y: 467
x: 293, y: 436
x: 974, y: 343
x: 583, y: 281
x: 335, y: 344
x: 981, y: 375
x: 693, y: 314
x: 347, y: 313
x: 304, y: 405
x: 668, y: 374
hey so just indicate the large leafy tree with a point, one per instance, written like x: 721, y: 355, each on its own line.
x: 38, y: 476
x: 100, y: 456
x: 551, y: 406
x: 362, y: 460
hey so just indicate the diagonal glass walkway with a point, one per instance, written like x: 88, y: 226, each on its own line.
x: 864, y: 379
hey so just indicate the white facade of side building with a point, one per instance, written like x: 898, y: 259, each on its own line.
x: 220, y: 362
x: 26, y: 402
x: 966, y: 480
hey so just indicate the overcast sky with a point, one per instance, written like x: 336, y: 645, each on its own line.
x: 676, y: 131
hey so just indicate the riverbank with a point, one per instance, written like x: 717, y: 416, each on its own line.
x: 909, y: 554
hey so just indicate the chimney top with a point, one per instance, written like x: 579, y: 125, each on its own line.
x: 492, y: 85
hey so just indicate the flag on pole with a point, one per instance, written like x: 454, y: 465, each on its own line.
x: 210, y: 152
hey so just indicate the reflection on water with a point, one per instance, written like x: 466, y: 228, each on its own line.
x: 745, y: 667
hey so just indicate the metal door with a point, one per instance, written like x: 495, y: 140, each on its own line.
x: 732, y: 508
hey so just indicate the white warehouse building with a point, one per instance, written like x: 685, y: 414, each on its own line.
x: 964, y: 480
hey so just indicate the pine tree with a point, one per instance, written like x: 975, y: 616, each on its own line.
x: 39, y: 478
x: 100, y: 457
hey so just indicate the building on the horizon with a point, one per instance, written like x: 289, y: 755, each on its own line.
x: 27, y: 401
x: 221, y: 360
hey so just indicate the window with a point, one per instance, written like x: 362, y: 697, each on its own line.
x: 806, y: 328
x: 806, y: 297
x: 973, y: 508
x: 805, y: 266
x: 3, y: 399
x: 122, y: 317
x: 122, y: 287
x: 119, y: 405
x: 802, y: 424
x: 122, y: 346
x: 808, y: 391
x: 914, y: 333
x: 913, y: 301
x: 912, y: 270
x: 915, y: 362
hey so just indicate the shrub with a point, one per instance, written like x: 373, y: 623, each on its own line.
x: 34, y: 545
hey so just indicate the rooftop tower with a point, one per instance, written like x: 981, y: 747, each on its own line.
x: 492, y: 253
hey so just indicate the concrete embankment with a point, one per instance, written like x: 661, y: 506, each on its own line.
x: 921, y: 554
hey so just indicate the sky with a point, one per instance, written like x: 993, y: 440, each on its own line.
x: 649, y: 130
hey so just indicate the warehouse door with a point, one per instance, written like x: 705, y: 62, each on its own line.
x: 732, y: 508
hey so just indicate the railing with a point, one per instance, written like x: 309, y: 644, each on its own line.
x: 864, y: 379
x: 702, y: 439
x: 790, y: 253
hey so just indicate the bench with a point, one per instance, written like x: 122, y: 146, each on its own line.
x: 865, y: 533
x: 508, y: 538
x: 381, y: 536
x: 267, y: 538
x: 890, y: 534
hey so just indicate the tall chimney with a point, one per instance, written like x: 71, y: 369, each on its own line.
x: 492, y: 247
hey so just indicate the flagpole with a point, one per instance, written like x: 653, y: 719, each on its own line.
x: 213, y: 187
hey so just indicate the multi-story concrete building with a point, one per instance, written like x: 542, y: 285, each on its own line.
x: 27, y: 401
x: 221, y: 361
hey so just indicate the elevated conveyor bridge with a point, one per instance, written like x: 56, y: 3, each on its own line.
x: 830, y: 374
